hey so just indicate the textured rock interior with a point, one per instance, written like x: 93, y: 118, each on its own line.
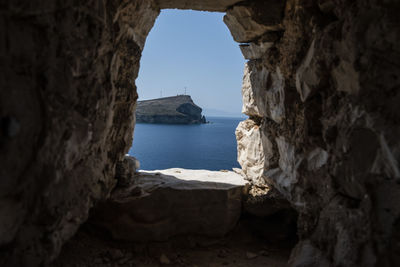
x: 321, y: 89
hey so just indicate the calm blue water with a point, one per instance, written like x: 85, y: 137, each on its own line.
x: 209, y: 146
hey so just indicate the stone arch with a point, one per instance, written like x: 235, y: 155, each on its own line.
x: 321, y: 89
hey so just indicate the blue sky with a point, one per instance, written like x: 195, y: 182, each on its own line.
x: 195, y: 50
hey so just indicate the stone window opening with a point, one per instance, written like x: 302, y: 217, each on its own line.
x: 167, y: 203
x: 198, y: 64
x: 222, y: 197
x: 320, y: 88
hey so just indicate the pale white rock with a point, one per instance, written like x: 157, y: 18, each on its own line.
x: 253, y: 82
x: 250, y: 150
x: 239, y: 171
x: 287, y: 159
x: 285, y: 177
x: 165, y: 203
x: 193, y: 178
x: 254, y: 149
x: 205, y: 5
x: 255, y: 50
x: 263, y: 92
x: 268, y: 149
x: 281, y: 180
x: 275, y: 96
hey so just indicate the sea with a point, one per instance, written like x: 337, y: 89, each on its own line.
x: 210, y: 146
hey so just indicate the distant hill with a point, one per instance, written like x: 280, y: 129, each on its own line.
x: 170, y: 110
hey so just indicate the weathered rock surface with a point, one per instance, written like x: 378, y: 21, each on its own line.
x: 255, y: 51
x: 125, y: 170
x: 204, y: 5
x: 166, y: 203
x: 263, y: 92
x: 253, y: 152
x: 247, y: 23
x: 332, y: 153
x: 67, y: 101
x: 325, y: 136
x: 169, y: 110
x: 305, y: 254
x: 263, y: 201
x: 308, y: 75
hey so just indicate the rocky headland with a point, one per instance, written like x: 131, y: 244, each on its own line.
x: 170, y: 110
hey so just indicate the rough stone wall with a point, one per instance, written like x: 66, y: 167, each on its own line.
x: 203, y: 5
x: 66, y: 108
x: 322, y: 90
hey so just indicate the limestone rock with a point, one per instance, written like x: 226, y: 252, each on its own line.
x: 251, y: 87
x: 263, y: 92
x: 205, y: 5
x: 255, y: 50
x: 75, y: 128
x: 255, y: 150
x: 250, y: 149
x: 68, y: 95
x: 138, y: 28
x: 308, y: 75
x: 258, y: 48
x: 340, y: 217
x: 166, y: 203
x: 245, y: 24
x: 275, y: 96
x: 285, y: 177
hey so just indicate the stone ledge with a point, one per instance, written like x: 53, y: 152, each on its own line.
x: 166, y: 203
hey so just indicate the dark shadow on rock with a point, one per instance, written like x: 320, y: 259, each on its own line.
x: 157, y: 207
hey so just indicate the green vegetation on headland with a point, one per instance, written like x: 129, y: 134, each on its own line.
x: 178, y: 109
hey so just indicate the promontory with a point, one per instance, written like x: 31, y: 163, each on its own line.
x: 178, y: 109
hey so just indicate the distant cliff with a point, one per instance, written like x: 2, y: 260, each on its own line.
x: 171, y: 110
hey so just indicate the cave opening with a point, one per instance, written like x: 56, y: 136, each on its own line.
x: 189, y: 60
x: 200, y: 202
x: 319, y: 87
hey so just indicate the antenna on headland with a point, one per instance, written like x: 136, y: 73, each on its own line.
x: 161, y: 93
x: 185, y: 90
